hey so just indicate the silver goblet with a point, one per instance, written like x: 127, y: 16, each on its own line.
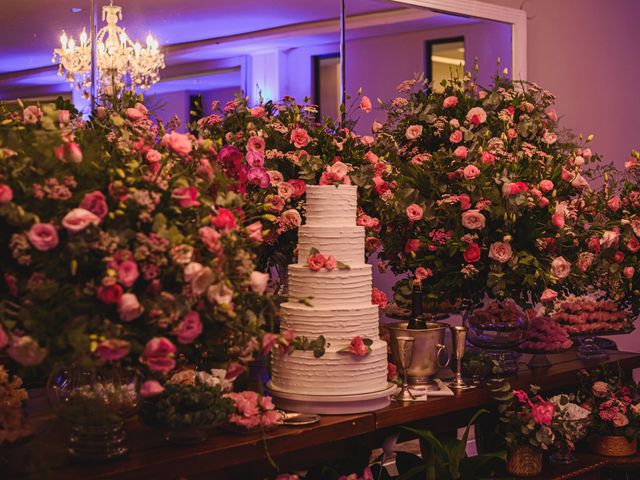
x: 459, y: 338
x: 405, y: 355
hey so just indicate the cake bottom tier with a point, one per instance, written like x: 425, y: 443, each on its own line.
x: 332, y: 374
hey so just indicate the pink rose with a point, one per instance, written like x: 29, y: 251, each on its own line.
x: 543, y: 413
x: 422, y: 273
x: 465, y: 201
x: 96, y: 203
x: 258, y: 282
x: 372, y: 244
x: 43, y: 236
x: 365, y: 104
x: 379, y: 298
x: 109, y: 294
x: 500, y: 252
x: 151, y: 388
x: 31, y: 114
x: 620, y: 420
x: 254, y: 231
x: 371, y: 157
x: 112, y: 349
x: 358, y: 347
x: 4, y: 338
x: 548, y: 295
x: 178, y: 142
x: 476, y: 116
x: 191, y: 270
x: 330, y: 263
x: 414, y: 212
x: 473, y: 220
x: 470, y: 172
x: 129, y: 308
x: 158, y: 355
x: 460, y: 152
x: 299, y: 188
x: 316, y: 261
x: 128, y: 273
x: 224, y: 220
x: 70, y: 152
x: 78, y: 219
x: 26, y: 351
x: 292, y: 217
x: 201, y: 281
x: 487, y: 157
x: 455, y: 137
x: 549, y: 138
x: 134, y: 114
x: 412, y: 245
x: 450, y: 102
x: 560, y: 268
x: 514, y: 188
x: 299, y: 137
x: 614, y: 203
x: 633, y: 245
x: 600, y: 389
x: 413, y: 132
x: 186, y: 196
x: 594, y: 245
x: 189, y: 328
x: 610, y: 238
x: 558, y: 220
x: 618, y: 256
x: 153, y: 156
x: 546, y: 186
x: 392, y: 371
x: 552, y: 115
x: 629, y: 272
x: 6, y: 194
x: 579, y: 182
x: 210, y: 238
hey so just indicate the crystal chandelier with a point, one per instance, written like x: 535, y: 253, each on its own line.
x: 118, y: 58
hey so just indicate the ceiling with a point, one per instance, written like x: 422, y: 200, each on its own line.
x: 27, y: 41
x: 191, y: 32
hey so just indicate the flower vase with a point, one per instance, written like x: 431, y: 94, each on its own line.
x: 524, y: 461
x: 614, y: 445
x: 95, y: 403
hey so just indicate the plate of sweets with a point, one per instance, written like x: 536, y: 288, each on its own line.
x: 586, y: 315
x: 545, y: 336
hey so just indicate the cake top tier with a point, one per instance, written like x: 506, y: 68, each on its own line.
x: 331, y: 205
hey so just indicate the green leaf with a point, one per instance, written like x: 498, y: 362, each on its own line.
x: 343, y: 266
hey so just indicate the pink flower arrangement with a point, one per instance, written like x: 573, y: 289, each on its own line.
x: 252, y: 411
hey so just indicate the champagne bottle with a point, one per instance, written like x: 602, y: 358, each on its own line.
x: 417, y: 321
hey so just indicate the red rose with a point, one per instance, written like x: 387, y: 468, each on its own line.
x: 594, y: 245
x: 618, y: 256
x: 372, y: 244
x: 465, y: 201
x: 110, y: 294
x: 412, y: 245
x: 225, y: 220
x: 300, y: 187
x: 472, y: 253
x: 392, y: 371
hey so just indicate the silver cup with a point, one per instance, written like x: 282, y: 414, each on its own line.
x: 458, y: 339
x: 404, y: 355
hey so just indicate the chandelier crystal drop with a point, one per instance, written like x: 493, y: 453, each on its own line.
x: 119, y: 59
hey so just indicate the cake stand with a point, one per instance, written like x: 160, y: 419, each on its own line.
x: 332, y: 404
x: 540, y: 358
x: 588, y: 348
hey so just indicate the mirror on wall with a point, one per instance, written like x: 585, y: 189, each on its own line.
x: 270, y: 49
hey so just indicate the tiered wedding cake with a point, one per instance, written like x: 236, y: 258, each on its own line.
x: 335, y: 304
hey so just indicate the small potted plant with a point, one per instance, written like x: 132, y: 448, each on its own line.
x: 526, y: 419
x: 188, y: 406
x: 570, y: 424
x: 616, y: 418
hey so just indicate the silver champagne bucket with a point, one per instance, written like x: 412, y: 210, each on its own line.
x: 427, y: 353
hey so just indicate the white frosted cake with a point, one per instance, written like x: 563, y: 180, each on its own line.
x: 337, y: 304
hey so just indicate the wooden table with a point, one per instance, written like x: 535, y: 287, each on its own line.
x: 233, y: 456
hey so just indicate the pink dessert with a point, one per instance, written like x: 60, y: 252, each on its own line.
x: 586, y: 315
x: 545, y: 335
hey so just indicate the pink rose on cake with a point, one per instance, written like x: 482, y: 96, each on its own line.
x: 379, y: 298
x: 316, y: 261
x: 358, y: 346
